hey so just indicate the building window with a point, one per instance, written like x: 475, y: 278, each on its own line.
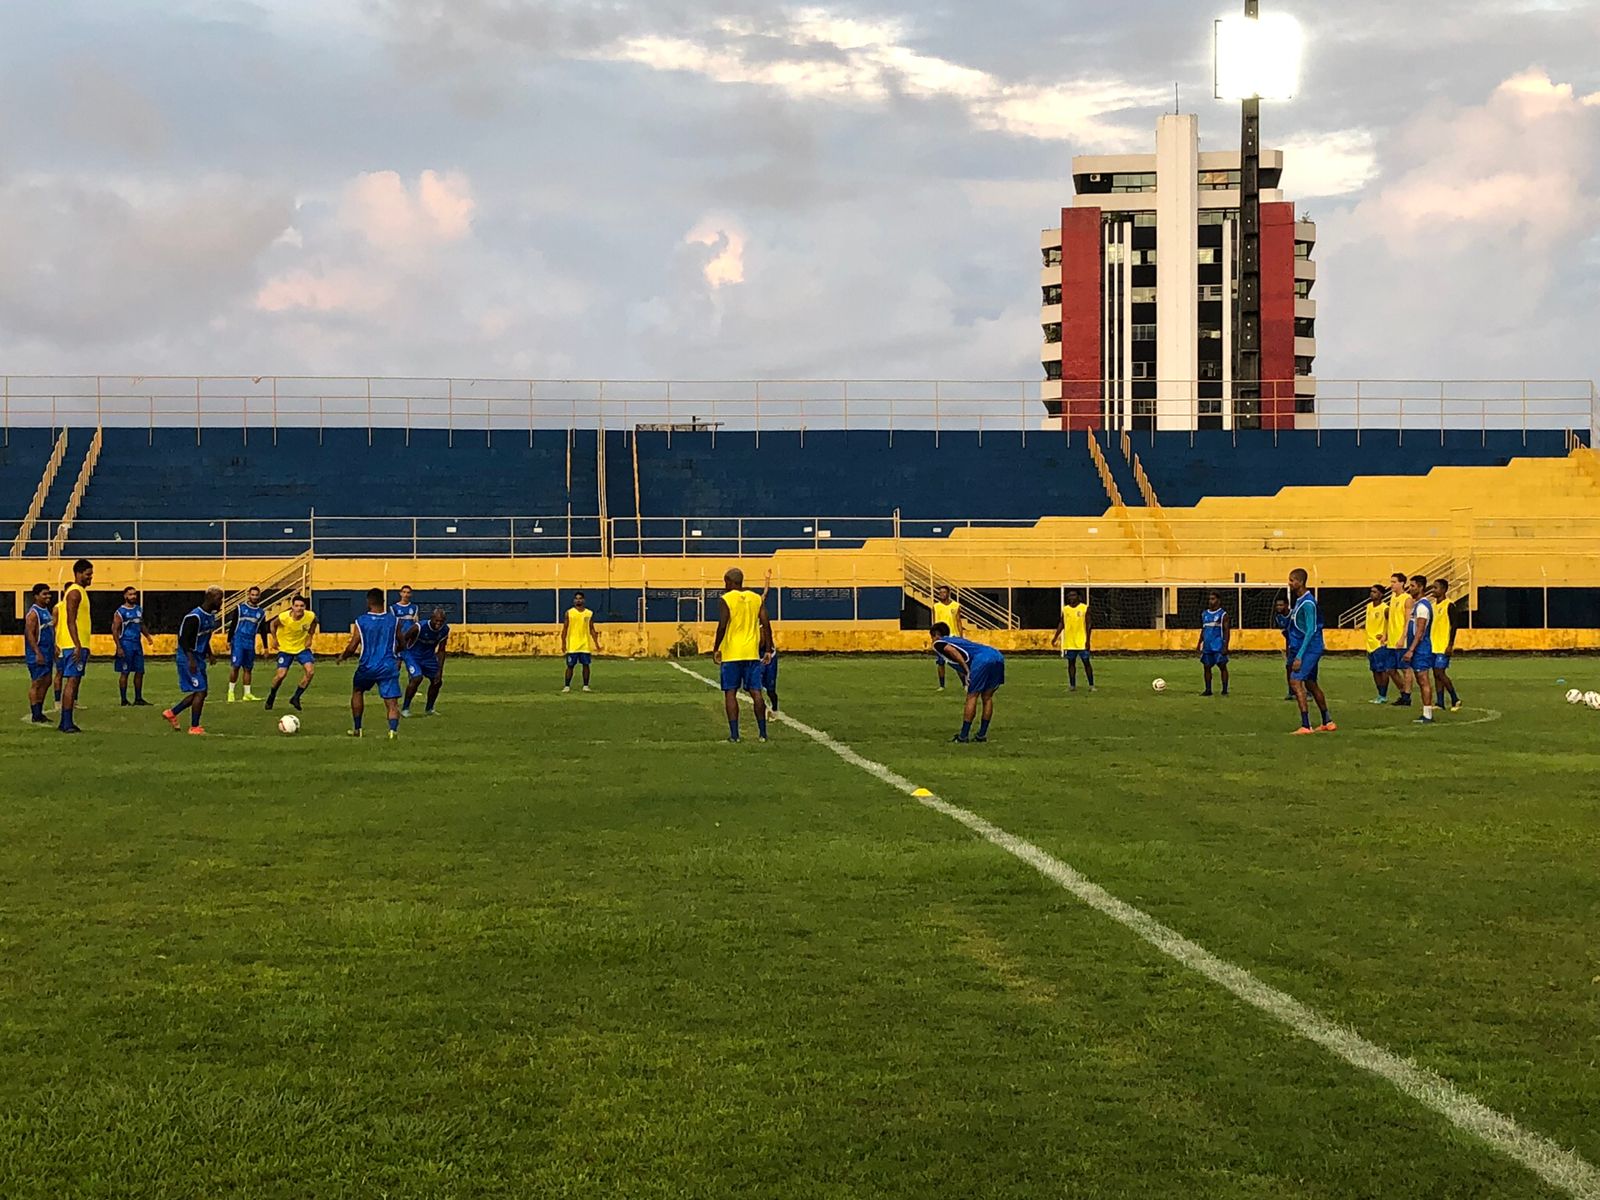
x: 1144, y: 258
x: 1142, y: 295
x: 1211, y: 335
x: 1302, y: 249
x: 1214, y: 216
x: 1206, y: 255
x: 1052, y: 295
x: 1136, y: 181
x: 1116, y: 252
x: 1305, y: 327
x: 1302, y: 288
x: 1052, y: 256
x: 1219, y: 181
x: 1052, y: 369
x: 1302, y: 365
x: 1210, y: 369
x: 1144, y: 370
x: 1052, y: 333
x: 1211, y: 291
x: 1144, y: 220
x: 1142, y: 333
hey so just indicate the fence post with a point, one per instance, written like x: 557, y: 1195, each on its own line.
x: 197, y: 410
x: 369, y: 410
x: 1525, y: 418
x: 136, y: 539
x: 413, y: 537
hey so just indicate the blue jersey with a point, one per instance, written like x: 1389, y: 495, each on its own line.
x: 248, y: 625
x: 1422, y: 608
x: 1214, y: 629
x: 47, y: 637
x: 406, y: 614
x: 377, y: 643
x: 430, y: 639
x: 198, y: 625
x: 974, y: 652
x: 1305, y: 622
x: 132, y: 623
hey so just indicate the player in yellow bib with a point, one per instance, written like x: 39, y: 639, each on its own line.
x: 743, y: 648
x: 72, y: 640
x: 1398, y: 637
x: 1378, y: 658
x: 947, y: 612
x: 1073, y: 633
x: 580, y: 641
x: 294, y: 633
x: 1444, y: 645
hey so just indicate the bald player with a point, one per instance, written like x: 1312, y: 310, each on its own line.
x: 742, y: 648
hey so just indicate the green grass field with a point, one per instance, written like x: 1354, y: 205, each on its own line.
x: 579, y: 946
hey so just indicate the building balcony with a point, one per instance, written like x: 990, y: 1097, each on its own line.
x: 1050, y: 352
x: 1305, y: 347
x: 1305, y: 268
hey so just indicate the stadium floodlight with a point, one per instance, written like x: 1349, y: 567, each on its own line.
x: 1258, y: 58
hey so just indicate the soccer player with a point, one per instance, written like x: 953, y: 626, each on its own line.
x: 769, y: 670
x: 39, y: 651
x: 1379, y: 659
x: 404, y: 609
x: 742, y: 648
x: 59, y: 614
x: 947, y: 612
x: 425, y: 660
x: 1398, y: 637
x: 73, y: 640
x: 1444, y: 634
x: 129, y: 634
x: 981, y: 668
x: 1073, y: 632
x: 242, y: 651
x: 376, y: 637
x: 580, y: 641
x: 1216, y: 635
x: 1280, y: 618
x: 1305, y: 624
x: 194, y: 656
x: 294, y: 633
x: 1418, y: 656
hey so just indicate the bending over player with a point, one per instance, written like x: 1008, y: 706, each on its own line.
x: 983, y: 670
x: 425, y: 660
x: 194, y: 657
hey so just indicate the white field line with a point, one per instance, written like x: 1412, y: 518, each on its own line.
x: 1556, y: 1165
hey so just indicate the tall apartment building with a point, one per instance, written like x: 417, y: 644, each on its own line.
x: 1140, y: 287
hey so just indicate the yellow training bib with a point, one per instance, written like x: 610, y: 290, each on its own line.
x: 742, y: 640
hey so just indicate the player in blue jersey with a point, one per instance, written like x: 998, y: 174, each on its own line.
x: 425, y: 660
x: 248, y: 629
x: 1306, y: 644
x: 376, y: 638
x: 405, y: 609
x: 1216, y: 634
x: 193, y: 657
x: 983, y: 670
x: 1280, y: 620
x: 129, y: 635
x: 1418, y: 655
x: 39, y: 651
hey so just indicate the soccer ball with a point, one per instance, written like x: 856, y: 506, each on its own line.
x: 1574, y: 697
x: 1592, y: 699
x: 1158, y: 685
x: 288, y: 723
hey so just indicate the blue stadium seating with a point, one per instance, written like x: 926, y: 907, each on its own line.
x: 725, y: 493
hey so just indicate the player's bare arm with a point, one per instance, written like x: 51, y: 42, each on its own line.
x: 722, y: 630
x: 353, y: 646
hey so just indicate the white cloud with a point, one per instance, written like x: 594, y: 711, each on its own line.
x: 726, y: 266
x: 814, y: 54
x: 397, y: 219
x: 1328, y: 164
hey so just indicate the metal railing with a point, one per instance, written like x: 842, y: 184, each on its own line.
x: 678, y: 406
x: 1562, y: 543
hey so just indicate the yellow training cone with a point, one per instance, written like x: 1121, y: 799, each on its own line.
x: 920, y: 792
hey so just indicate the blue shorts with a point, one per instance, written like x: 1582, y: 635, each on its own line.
x: 130, y: 660
x: 190, y: 684
x: 305, y: 658
x: 579, y: 660
x: 1076, y: 656
x: 1423, y: 660
x: 1308, y: 667
x: 742, y: 676
x: 1378, y: 660
x: 72, y: 663
x: 42, y: 669
x: 388, y: 684
x: 769, y: 675
x: 1441, y: 662
x: 986, y: 675
x: 421, y: 666
x: 243, y: 657
x: 1213, y: 658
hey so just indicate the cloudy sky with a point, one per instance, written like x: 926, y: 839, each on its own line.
x: 729, y: 188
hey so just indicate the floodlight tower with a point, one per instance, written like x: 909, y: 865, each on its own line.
x: 1256, y: 58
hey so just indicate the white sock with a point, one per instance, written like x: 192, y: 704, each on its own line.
x: 1427, y: 711
x: 230, y: 691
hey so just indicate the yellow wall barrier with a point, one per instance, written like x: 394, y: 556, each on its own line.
x: 659, y: 640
